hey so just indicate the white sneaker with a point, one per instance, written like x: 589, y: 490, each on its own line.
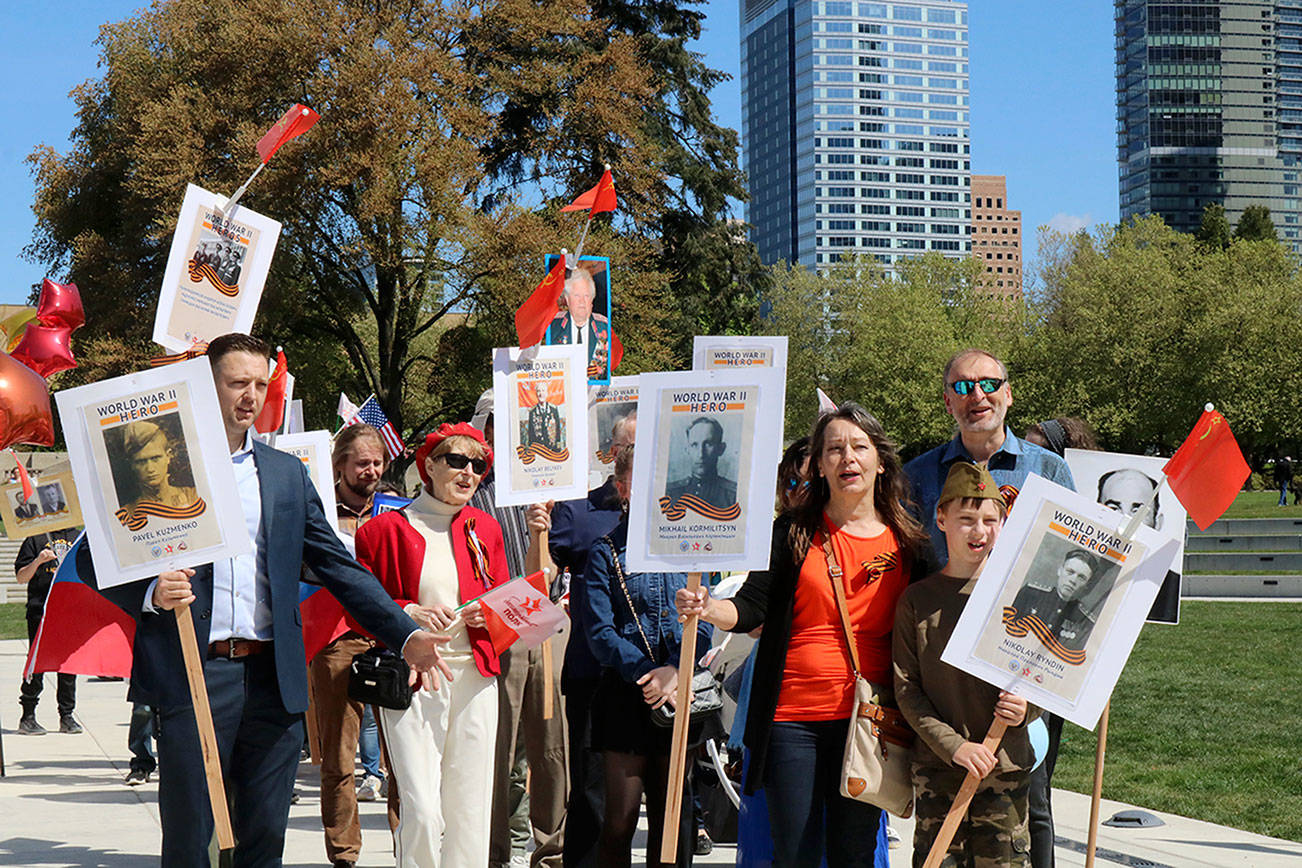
x: 519, y: 860
x: 369, y: 789
x: 892, y: 837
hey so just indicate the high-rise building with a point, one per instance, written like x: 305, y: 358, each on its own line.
x: 1209, y: 109
x: 855, y: 128
x: 997, y: 235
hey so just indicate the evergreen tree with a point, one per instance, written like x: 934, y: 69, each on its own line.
x: 1256, y: 225
x: 1214, y: 230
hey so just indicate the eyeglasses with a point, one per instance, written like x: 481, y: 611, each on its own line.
x: 457, y: 461
x: 987, y: 385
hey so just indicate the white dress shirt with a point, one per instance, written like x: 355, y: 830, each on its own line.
x: 241, y: 591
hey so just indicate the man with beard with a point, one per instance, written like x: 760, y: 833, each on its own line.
x: 359, y: 460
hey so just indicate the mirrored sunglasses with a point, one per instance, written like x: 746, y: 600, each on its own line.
x: 988, y: 385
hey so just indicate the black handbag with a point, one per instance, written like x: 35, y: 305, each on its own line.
x: 707, y: 692
x: 377, y: 676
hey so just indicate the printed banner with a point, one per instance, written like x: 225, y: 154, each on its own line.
x: 53, y: 505
x: 160, y: 486
x: 608, y: 405
x: 1060, y: 602
x: 519, y: 611
x: 711, y: 352
x: 541, y: 435
x: 215, y: 272
x: 313, y: 449
x: 705, y: 470
x: 585, y: 314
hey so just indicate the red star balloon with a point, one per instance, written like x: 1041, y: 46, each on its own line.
x: 24, y: 406
x: 60, y: 305
x: 46, y: 349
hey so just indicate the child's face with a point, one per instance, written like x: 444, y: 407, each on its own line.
x: 970, y: 531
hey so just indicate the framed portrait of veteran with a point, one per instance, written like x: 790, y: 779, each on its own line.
x: 215, y: 271
x: 313, y: 449
x: 53, y: 506
x: 610, y: 408
x: 585, y: 314
x: 1124, y: 483
x: 540, y: 436
x: 711, y: 352
x: 705, y: 469
x: 1060, y: 602
x: 158, y: 488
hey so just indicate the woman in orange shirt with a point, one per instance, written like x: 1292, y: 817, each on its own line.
x: 803, y: 689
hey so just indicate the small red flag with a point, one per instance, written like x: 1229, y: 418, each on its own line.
x: 541, y: 307
x: 616, y: 350
x: 292, y: 124
x: 23, y: 477
x: 600, y: 198
x: 1208, y: 471
x: 273, y: 411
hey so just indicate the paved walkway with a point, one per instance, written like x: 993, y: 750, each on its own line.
x: 62, y: 803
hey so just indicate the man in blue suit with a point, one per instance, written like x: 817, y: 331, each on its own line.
x: 249, y: 629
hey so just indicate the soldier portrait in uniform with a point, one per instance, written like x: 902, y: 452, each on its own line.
x: 543, y: 425
x: 584, y: 317
x: 52, y: 499
x: 149, y: 465
x: 700, y: 454
x: 1067, y: 605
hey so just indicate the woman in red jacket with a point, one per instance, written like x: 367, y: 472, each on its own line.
x: 432, y: 557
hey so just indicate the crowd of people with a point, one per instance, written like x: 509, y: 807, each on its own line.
x: 558, y: 746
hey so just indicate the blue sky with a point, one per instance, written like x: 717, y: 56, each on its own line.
x: 1041, y: 78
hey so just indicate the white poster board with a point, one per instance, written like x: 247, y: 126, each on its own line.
x: 540, y: 439
x: 606, y: 405
x: 313, y: 449
x: 705, y: 469
x: 1020, y: 633
x: 711, y: 352
x: 153, y: 467
x: 1122, y: 482
x: 215, y: 272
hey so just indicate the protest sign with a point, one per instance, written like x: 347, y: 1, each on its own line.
x: 1060, y: 602
x: 54, y: 505
x: 710, y: 352
x: 585, y: 318
x: 313, y: 449
x: 705, y: 469
x: 541, y: 437
x: 1124, y: 483
x: 607, y: 404
x: 155, y: 473
x: 215, y: 271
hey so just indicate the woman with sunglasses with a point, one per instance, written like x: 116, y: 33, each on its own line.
x: 432, y: 557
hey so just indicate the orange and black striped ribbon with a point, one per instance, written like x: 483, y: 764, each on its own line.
x: 1019, y: 625
x: 531, y: 453
x: 200, y: 349
x: 605, y: 456
x: 478, y: 555
x: 676, y: 510
x: 136, y: 517
x: 205, y: 271
x: 879, y: 566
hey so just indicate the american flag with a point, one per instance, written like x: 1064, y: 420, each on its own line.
x: 372, y: 415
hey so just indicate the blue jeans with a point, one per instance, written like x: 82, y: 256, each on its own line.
x: 368, y: 743
x: 807, y: 813
x: 1283, y: 493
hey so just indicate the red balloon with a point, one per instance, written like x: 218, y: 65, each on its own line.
x: 24, y: 406
x: 45, y: 349
x: 60, y: 305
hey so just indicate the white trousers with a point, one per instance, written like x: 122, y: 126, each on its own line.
x: 442, y: 751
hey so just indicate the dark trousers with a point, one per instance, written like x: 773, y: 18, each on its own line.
x: 587, y: 778
x: 29, y: 693
x: 139, y: 735
x: 1040, y: 814
x: 808, y: 815
x: 259, y: 743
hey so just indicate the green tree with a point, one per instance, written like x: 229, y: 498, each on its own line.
x: 1256, y: 225
x: 1214, y: 231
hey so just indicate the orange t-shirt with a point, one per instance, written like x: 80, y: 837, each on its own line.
x: 818, y: 679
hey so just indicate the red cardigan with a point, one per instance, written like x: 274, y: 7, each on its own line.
x: 390, y: 547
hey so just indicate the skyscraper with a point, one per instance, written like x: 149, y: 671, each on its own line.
x: 855, y: 128
x: 997, y: 235
x: 1209, y: 109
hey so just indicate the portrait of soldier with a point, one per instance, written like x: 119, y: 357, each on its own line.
x: 229, y: 270
x: 543, y: 427
x: 26, y: 510
x: 578, y: 324
x: 52, y: 499
x: 151, y: 472
x: 703, y: 449
x: 1061, y: 607
x: 1126, y: 490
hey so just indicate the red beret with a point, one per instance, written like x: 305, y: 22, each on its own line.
x: 443, y: 432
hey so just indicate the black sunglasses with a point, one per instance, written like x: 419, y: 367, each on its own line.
x: 988, y: 385
x: 457, y: 461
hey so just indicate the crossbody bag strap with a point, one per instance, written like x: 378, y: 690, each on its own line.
x: 838, y: 591
x: 619, y: 574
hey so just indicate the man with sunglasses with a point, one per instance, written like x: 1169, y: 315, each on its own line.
x: 977, y: 395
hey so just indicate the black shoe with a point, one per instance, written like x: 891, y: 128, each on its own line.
x: 343, y: 863
x: 703, y: 843
x: 136, y: 777
x: 68, y: 725
x: 28, y: 726
x: 294, y: 797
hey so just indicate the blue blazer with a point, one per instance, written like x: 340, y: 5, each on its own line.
x: 295, y: 532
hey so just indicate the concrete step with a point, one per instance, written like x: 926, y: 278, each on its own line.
x: 1236, y: 526
x: 1241, y: 586
x: 1233, y: 562
x: 1259, y: 542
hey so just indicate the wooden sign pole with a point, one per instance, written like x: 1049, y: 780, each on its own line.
x: 212, y: 765
x: 1100, y: 752
x: 958, y: 810
x: 549, y: 680
x: 678, y: 747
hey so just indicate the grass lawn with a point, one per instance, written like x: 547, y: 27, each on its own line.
x: 13, y: 620
x: 1262, y: 504
x: 1205, y: 720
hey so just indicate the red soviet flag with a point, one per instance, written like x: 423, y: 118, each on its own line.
x: 291, y: 125
x: 273, y: 411
x: 600, y: 198
x: 1208, y: 471
x: 23, y: 477
x: 541, y: 307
